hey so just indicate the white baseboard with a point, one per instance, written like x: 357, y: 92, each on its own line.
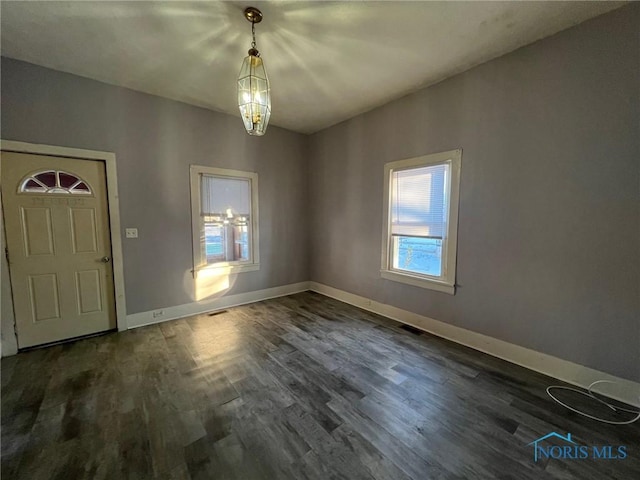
x: 8, y: 348
x: 625, y: 390
x: 172, y: 313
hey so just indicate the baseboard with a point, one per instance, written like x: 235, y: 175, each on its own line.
x: 626, y: 390
x: 172, y: 313
x: 8, y: 348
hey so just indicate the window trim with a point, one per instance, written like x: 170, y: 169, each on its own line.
x: 446, y: 283
x: 199, y: 260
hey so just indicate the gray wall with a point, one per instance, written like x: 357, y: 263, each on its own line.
x: 549, y: 227
x: 155, y: 140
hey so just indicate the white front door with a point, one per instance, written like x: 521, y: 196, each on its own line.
x: 59, y: 248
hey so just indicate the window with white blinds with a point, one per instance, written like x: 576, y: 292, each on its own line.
x: 419, y: 201
x: 224, y: 214
x: 419, y: 243
x: 223, y: 196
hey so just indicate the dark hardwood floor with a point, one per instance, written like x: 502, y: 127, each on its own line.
x: 300, y: 387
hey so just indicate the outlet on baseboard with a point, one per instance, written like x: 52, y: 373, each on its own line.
x: 158, y: 313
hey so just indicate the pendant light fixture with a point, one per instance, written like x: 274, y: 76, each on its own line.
x: 254, y: 97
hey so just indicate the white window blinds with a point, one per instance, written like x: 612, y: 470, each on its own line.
x: 419, y: 201
x: 225, y: 196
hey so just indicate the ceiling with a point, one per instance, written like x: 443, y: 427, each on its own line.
x: 327, y: 61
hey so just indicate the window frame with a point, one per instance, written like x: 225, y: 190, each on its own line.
x: 446, y: 282
x: 60, y: 190
x: 197, y: 222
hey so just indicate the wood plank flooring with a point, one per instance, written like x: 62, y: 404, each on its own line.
x: 300, y: 387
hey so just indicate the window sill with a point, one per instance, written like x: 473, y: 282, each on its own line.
x: 417, y: 281
x: 216, y: 270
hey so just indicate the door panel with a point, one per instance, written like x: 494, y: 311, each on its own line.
x: 83, y: 230
x: 37, y: 231
x: 88, y: 291
x: 45, y: 303
x: 57, y: 235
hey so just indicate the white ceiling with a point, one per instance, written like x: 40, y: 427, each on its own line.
x: 327, y: 61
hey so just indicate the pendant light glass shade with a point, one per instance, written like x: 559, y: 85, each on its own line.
x: 254, y: 97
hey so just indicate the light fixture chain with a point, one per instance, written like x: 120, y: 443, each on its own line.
x: 253, y: 34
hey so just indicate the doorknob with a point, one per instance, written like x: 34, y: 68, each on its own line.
x: 105, y: 259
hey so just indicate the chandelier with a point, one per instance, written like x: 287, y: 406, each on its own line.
x: 254, y: 98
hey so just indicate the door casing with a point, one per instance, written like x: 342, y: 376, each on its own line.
x: 109, y: 160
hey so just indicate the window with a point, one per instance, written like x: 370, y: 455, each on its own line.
x: 224, y: 206
x: 54, y: 181
x: 421, y: 220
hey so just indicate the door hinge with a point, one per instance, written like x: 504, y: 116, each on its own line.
x: 6, y: 254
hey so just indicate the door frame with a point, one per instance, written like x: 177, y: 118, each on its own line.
x: 113, y: 206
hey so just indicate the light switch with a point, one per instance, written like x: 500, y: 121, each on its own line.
x: 131, y: 232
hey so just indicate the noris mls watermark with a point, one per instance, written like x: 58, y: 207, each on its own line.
x: 573, y: 451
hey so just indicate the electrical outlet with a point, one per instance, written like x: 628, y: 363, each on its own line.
x: 158, y: 313
x: 131, y: 232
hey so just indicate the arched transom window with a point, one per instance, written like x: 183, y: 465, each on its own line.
x: 54, y: 181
